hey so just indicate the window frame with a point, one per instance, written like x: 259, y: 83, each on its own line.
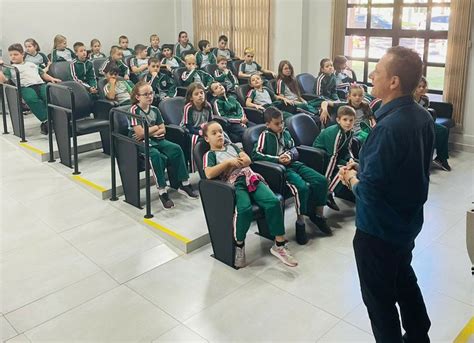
x: 396, y: 32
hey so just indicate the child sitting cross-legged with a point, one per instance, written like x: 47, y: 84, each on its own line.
x: 276, y: 145
x: 162, y: 151
x: 228, y: 163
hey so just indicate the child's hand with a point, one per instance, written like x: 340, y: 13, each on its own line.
x: 234, y: 162
x: 126, y: 77
x: 55, y: 80
x: 324, y: 116
x: 168, y: 67
x: 113, y: 80
x: 372, y: 122
x: 244, y: 120
x: 1, y: 62
x: 260, y: 107
x: 93, y: 90
x: 154, y: 74
x: 284, y: 159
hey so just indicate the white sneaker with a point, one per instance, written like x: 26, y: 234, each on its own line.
x: 239, y: 261
x: 284, y: 254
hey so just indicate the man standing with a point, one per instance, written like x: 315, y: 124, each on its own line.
x: 391, y: 186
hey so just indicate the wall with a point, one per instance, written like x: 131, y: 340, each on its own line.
x: 82, y: 20
x: 301, y: 33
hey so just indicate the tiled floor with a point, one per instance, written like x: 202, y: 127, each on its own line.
x: 75, y: 268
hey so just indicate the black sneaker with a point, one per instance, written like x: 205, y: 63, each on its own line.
x: 188, y: 191
x: 321, y: 223
x: 166, y: 201
x: 331, y: 203
x: 443, y: 164
x: 44, y: 128
x: 301, y: 236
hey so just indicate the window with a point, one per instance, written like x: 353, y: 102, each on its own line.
x: 373, y: 26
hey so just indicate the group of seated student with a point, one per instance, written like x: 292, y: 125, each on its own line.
x: 147, y: 80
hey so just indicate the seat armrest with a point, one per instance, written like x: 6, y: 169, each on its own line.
x: 273, y: 173
x: 254, y: 115
x: 443, y: 109
x: 309, y: 96
x: 181, y: 91
x: 176, y: 134
x: 313, y: 157
x: 433, y: 113
x: 102, y: 108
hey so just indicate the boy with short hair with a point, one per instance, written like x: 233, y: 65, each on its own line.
x: 115, y: 89
x: 223, y: 50
x: 336, y: 141
x: 204, y: 56
x: 33, y: 87
x: 139, y: 63
x: 223, y: 75
x: 169, y: 60
x: 249, y: 67
x: 82, y: 69
x: 154, y: 48
x: 123, y: 43
x: 163, y: 85
x: 276, y: 145
x: 193, y: 74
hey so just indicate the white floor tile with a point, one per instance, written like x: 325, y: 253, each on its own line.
x: 38, y: 312
x: 337, y: 292
x: 70, y: 208
x: 19, y: 339
x: 41, y: 269
x: 346, y: 333
x: 6, y: 330
x: 185, y: 286
x: 19, y: 228
x: 180, y: 333
x: 140, y: 263
x: 447, y: 271
x: 111, y: 238
x: 256, y: 311
x: 118, y: 315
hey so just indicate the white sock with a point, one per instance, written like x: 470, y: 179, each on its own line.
x: 161, y: 191
x: 185, y: 183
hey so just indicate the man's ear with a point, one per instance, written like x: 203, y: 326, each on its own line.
x: 395, y: 83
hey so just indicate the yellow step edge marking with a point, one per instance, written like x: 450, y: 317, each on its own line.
x: 465, y: 333
x: 32, y: 148
x: 166, y: 230
x: 89, y: 183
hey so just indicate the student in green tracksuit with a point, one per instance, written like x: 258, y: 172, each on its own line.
x: 170, y: 61
x: 163, y: 153
x: 223, y: 75
x: 325, y: 84
x: 336, y: 141
x: 204, y: 56
x: 193, y: 75
x: 230, y: 164
x: 82, y: 69
x: 60, y: 50
x: 228, y: 106
x: 163, y: 85
x: 364, y: 120
x: 288, y: 91
x: 183, y: 44
x: 154, y: 49
x: 261, y: 97
x: 441, y: 131
x: 115, y: 60
x: 123, y: 44
x: 33, y: 87
x: 276, y: 145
